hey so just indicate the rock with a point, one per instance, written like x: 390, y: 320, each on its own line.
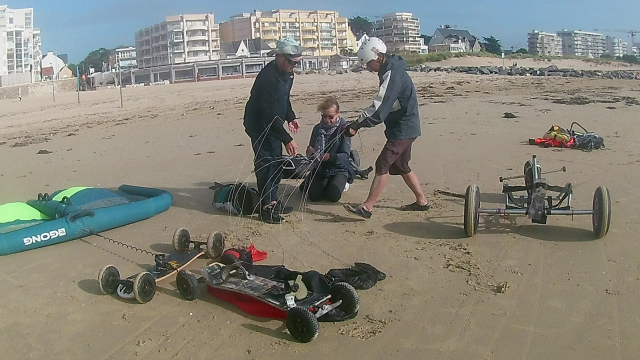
x: 484, y: 70
x: 509, y: 115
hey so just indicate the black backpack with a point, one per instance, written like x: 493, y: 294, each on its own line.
x: 586, y: 140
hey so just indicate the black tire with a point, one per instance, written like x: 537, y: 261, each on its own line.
x: 355, y: 156
x: 471, y: 206
x: 601, y: 217
x: 187, y: 284
x: 302, y: 324
x: 215, y: 245
x: 181, y: 240
x: 144, y: 287
x: 349, y: 296
x: 109, y: 278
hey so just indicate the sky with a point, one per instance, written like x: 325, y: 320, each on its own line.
x: 77, y: 27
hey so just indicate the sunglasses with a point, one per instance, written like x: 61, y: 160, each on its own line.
x: 292, y: 62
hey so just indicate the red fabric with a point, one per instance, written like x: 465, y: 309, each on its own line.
x: 546, y: 142
x: 248, y: 304
x: 256, y: 254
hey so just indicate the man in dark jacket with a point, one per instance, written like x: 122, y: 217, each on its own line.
x: 265, y: 114
x: 396, y: 104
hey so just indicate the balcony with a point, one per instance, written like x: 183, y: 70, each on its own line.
x: 197, y: 37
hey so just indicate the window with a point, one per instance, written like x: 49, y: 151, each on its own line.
x: 10, y: 20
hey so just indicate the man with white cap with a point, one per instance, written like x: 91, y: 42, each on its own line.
x: 265, y: 113
x: 396, y: 104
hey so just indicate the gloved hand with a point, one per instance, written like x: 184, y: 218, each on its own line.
x: 351, y: 129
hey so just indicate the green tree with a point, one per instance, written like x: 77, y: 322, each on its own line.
x: 72, y: 67
x: 630, y: 59
x: 522, y: 51
x: 347, y: 52
x: 360, y: 26
x: 426, y: 38
x: 95, y: 59
x: 491, y: 45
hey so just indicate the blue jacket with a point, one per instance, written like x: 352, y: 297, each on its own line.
x: 339, y: 148
x: 396, y: 103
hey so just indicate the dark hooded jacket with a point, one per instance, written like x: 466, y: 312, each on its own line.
x: 269, y: 106
x: 396, y: 103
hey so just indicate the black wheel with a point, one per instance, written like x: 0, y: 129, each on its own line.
x: 601, y: 217
x: 144, y: 287
x: 215, y: 245
x: 302, y: 324
x: 349, y: 296
x: 109, y: 277
x: 181, y: 240
x: 355, y: 156
x: 187, y: 285
x: 471, y: 206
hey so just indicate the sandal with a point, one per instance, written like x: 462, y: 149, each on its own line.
x: 358, y: 210
x: 415, y: 207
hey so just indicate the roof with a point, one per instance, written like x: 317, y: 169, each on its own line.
x: 253, y: 45
x: 447, y: 33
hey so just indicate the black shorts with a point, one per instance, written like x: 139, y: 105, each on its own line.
x: 394, y: 157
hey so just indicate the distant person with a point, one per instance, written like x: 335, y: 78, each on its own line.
x: 396, y: 104
x: 265, y: 113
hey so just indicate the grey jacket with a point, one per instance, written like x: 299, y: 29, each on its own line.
x: 396, y: 103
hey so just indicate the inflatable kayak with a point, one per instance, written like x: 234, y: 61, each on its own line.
x: 74, y: 213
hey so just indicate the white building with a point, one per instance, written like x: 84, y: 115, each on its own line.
x: 180, y: 39
x: 616, y: 47
x: 51, y: 66
x: 400, y: 31
x: 126, y: 58
x: 544, y: 43
x: 582, y: 43
x: 20, y: 53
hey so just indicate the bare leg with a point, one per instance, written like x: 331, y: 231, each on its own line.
x: 411, y: 179
x: 378, y: 184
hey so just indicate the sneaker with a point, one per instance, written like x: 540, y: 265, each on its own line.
x: 283, y: 209
x: 346, y: 187
x: 364, y: 174
x: 271, y: 215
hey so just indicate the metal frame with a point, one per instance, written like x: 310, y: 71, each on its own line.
x: 522, y: 204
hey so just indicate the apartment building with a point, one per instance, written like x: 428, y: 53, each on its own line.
x: 126, y: 58
x: 400, y: 31
x: 321, y: 33
x: 582, y: 43
x: 179, y: 39
x: 20, y: 53
x: 544, y: 43
x: 616, y: 47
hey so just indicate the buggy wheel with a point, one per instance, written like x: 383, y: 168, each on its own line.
x: 601, y: 216
x: 181, y: 240
x: 355, y: 156
x: 349, y: 296
x: 144, y: 287
x: 215, y: 245
x: 302, y: 324
x: 471, y: 206
x: 109, y: 277
x: 187, y: 285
